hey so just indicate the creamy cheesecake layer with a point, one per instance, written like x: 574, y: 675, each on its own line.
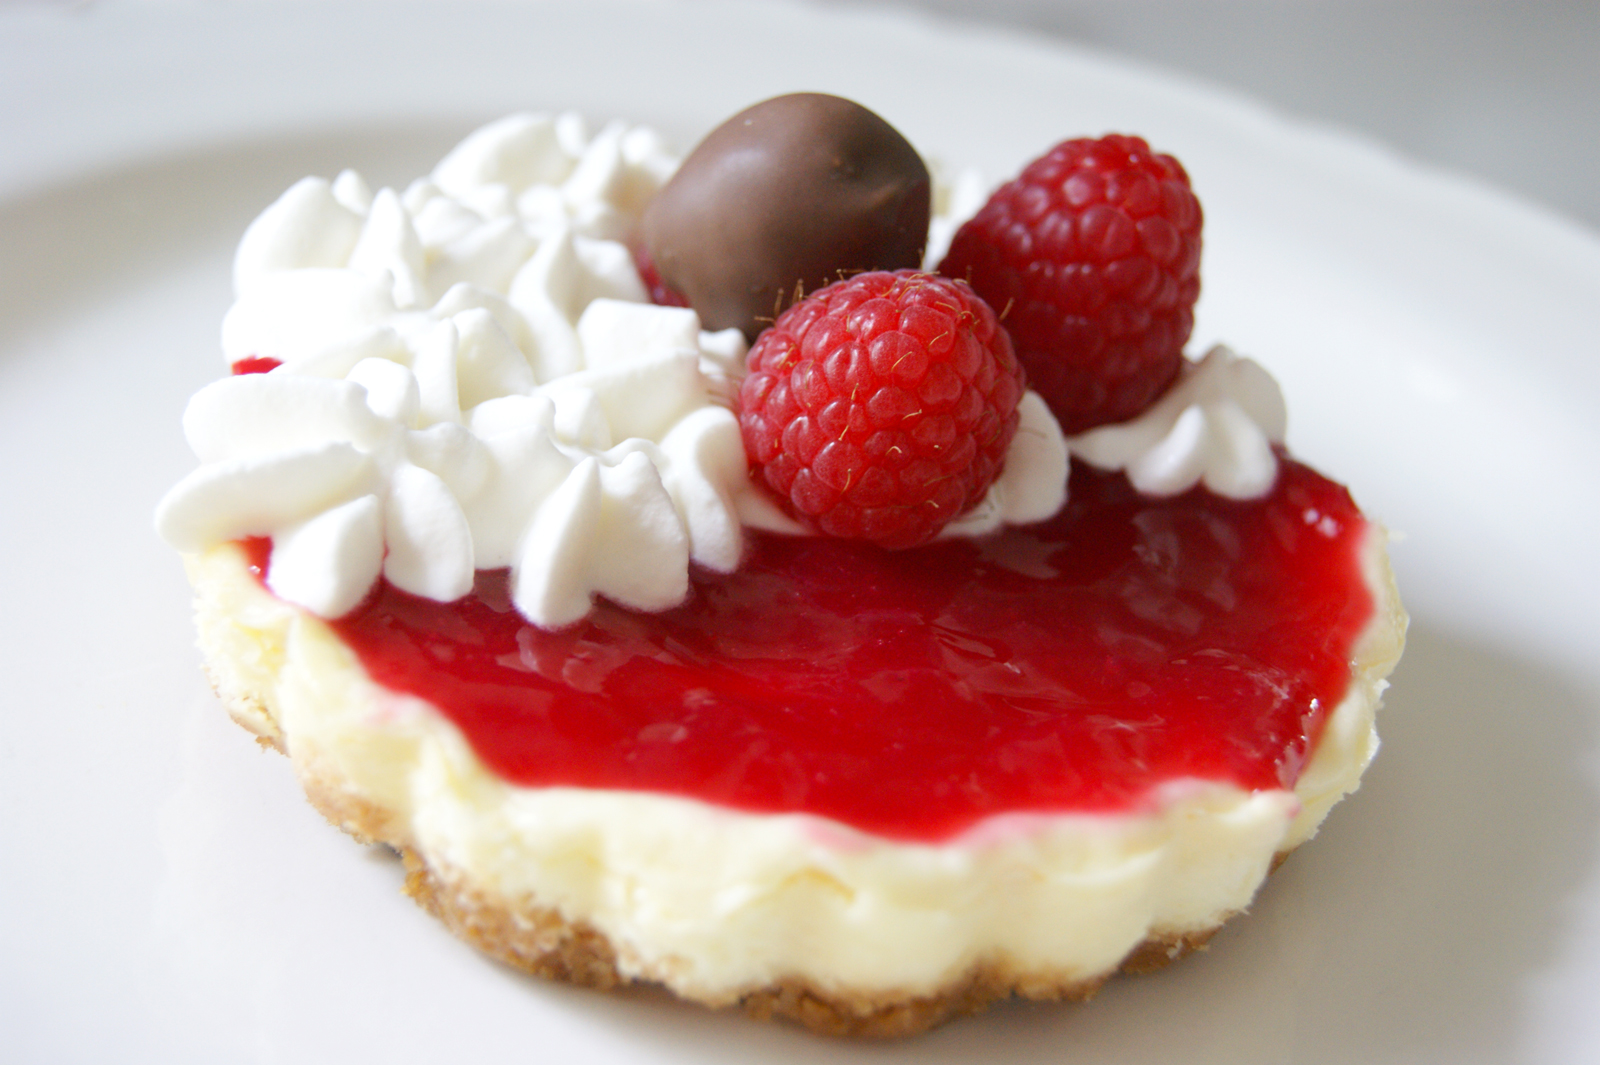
x: 717, y: 904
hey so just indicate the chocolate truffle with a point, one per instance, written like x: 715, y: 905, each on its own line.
x: 794, y: 192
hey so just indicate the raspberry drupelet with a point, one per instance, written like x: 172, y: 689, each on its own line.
x: 1092, y: 257
x: 881, y: 407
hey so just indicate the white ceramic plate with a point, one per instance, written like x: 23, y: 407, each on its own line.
x: 166, y: 894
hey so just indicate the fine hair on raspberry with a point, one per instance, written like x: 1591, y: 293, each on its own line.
x: 881, y: 407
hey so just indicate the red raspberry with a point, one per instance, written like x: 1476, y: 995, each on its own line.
x: 1092, y: 256
x: 880, y: 408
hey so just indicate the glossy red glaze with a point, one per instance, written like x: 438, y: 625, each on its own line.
x: 254, y: 364
x: 1070, y: 666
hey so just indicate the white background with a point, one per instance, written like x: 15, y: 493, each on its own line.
x: 1507, y: 90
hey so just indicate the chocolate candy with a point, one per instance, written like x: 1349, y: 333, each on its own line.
x: 792, y: 193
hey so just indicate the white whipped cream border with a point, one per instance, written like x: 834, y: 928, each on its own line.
x: 472, y: 379
x: 1216, y: 426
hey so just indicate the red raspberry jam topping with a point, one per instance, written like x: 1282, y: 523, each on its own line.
x: 1068, y: 666
x: 254, y: 364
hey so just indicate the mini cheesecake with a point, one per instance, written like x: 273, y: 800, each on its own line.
x: 657, y: 732
x: 577, y: 821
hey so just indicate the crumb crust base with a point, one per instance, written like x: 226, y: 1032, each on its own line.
x: 544, y: 943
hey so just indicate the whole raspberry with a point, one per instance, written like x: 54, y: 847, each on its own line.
x: 880, y: 408
x: 1092, y: 256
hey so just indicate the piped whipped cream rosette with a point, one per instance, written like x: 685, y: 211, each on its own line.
x: 1216, y: 426
x: 468, y: 381
x: 381, y: 471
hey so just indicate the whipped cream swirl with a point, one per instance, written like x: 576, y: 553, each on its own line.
x: 1215, y: 426
x: 471, y: 378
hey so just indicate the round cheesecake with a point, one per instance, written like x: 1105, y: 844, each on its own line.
x: 885, y: 929
x: 474, y: 544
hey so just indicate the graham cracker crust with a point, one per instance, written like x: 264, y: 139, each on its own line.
x: 543, y: 942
